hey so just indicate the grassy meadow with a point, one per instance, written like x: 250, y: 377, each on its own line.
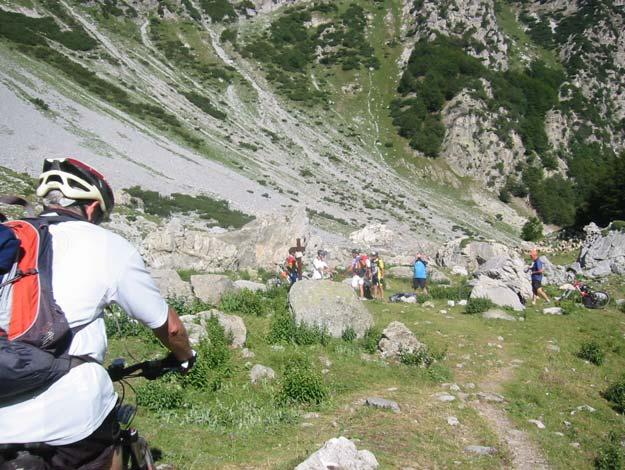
x: 215, y: 418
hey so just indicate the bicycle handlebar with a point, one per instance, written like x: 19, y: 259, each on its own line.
x: 147, y: 369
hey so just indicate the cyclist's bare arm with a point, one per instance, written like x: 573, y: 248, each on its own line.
x: 174, y: 336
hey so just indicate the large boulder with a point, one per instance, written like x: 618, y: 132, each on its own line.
x: 553, y: 274
x: 211, y: 287
x: 469, y: 254
x: 170, y: 284
x: 603, y: 252
x: 330, y: 305
x: 233, y: 326
x: 511, y: 272
x: 339, y: 453
x: 497, y: 292
x: 242, y: 284
x: 397, y: 339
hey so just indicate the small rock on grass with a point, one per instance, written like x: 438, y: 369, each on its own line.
x: 539, y: 424
x: 552, y: 311
x: 480, y: 450
x: 378, y: 402
x: 444, y: 397
x: 490, y: 397
x: 340, y: 453
x: 453, y: 421
x: 497, y: 314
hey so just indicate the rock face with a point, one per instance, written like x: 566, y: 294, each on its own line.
x: 510, y: 271
x: 330, y: 305
x: 497, y: 292
x: 339, y: 453
x: 170, y: 284
x: 601, y: 254
x: 250, y: 285
x: 211, y: 287
x: 233, y: 326
x: 469, y: 254
x: 261, y: 243
x: 397, y: 338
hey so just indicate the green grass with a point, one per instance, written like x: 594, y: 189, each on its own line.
x: 240, y: 426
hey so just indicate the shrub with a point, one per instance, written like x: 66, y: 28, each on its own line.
x: 610, y: 456
x: 245, y: 302
x: 568, y: 306
x: 615, y: 394
x: 420, y: 358
x: 477, y: 305
x: 532, y: 230
x: 349, y: 335
x: 371, y: 339
x: 449, y: 293
x: 591, y: 352
x: 301, y: 383
x: 158, y: 395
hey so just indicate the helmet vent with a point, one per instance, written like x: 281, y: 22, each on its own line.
x: 56, y: 178
x: 76, y: 185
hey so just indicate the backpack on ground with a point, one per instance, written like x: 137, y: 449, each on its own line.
x: 34, y: 333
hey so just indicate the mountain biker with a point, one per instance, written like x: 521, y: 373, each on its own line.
x: 321, y: 269
x: 537, y: 270
x: 377, y: 275
x: 93, y: 268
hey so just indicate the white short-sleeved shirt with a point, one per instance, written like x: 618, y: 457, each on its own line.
x: 92, y: 268
x: 319, y: 266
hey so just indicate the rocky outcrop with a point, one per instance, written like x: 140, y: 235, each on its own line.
x: 397, y: 339
x: 339, y: 453
x: 497, y: 292
x: 602, y: 253
x: 170, y: 284
x: 511, y: 273
x: 211, y: 287
x: 469, y: 254
x: 330, y: 305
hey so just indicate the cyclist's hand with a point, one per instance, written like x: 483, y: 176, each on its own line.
x: 171, y: 362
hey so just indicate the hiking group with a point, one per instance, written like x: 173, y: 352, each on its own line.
x: 367, y: 275
x: 63, y: 270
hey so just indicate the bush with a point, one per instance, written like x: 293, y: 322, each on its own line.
x: 610, y: 456
x: 591, y: 352
x: 283, y: 329
x: 245, y: 302
x: 449, y: 293
x: 349, y: 335
x: 477, y: 305
x: 532, y: 230
x: 419, y: 358
x: 371, y: 339
x: 158, y: 395
x: 301, y: 383
x: 615, y: 394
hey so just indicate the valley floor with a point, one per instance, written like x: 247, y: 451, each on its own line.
x: 517, y: 386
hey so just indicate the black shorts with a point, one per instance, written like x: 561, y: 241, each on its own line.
x: 94, y: 452
x: 418, y: 283
x: 375, y: 280
x: 536, y: 284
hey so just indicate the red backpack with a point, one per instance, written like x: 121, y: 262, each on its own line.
x: 34, y: 333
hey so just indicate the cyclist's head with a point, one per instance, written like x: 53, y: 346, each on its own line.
x: 322, y: 253
x: 533, y: 253
x: 68, y: 182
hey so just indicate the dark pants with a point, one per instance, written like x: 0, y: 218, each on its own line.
x: 94, y: 452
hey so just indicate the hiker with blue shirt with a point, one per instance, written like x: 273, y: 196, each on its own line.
x: 420, y: 273
x: 537, y: 269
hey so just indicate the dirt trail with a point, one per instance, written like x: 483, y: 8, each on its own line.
x: 525, y: 454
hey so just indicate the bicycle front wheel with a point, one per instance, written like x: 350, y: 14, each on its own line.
x: 598, y: 299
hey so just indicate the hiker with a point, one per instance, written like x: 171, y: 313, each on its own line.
x: 321, y: 270
x: 93, y: 268
x: 537, y: 269
x: 291, y: 268
x: 377, y: 275
x: 420, y: 268
x: 359, y: 271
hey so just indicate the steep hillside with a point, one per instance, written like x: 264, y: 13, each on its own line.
x: 364, y: 112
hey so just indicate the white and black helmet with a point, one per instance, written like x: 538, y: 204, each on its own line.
x: 75, y: 180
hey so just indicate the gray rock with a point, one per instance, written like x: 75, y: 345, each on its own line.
x: 537, y: 423
x: 453, y: 421
x: 233, y: 325
x: 170, y: 284
x: 428, y: 304
x: 469, y: 254
x: 496, y: 314
x: 444, y: 397
x: 250, y: 285
x: 378, y: 402
x: 459, y: 270
x: 497, y: 292
x: 211, y: 287
x: 260, y: 373
x: 480, y: 450
x: 620, y: 302
x: 552, y: 311
x: 511, y: 273
x: 339, y: 453
x: 397, y: 338
x: 195, y: 331
x: 490, y: 397
x: 330, y: 305
x: 602, y: 254
x: 438, y: 277
x: 247, y: 354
